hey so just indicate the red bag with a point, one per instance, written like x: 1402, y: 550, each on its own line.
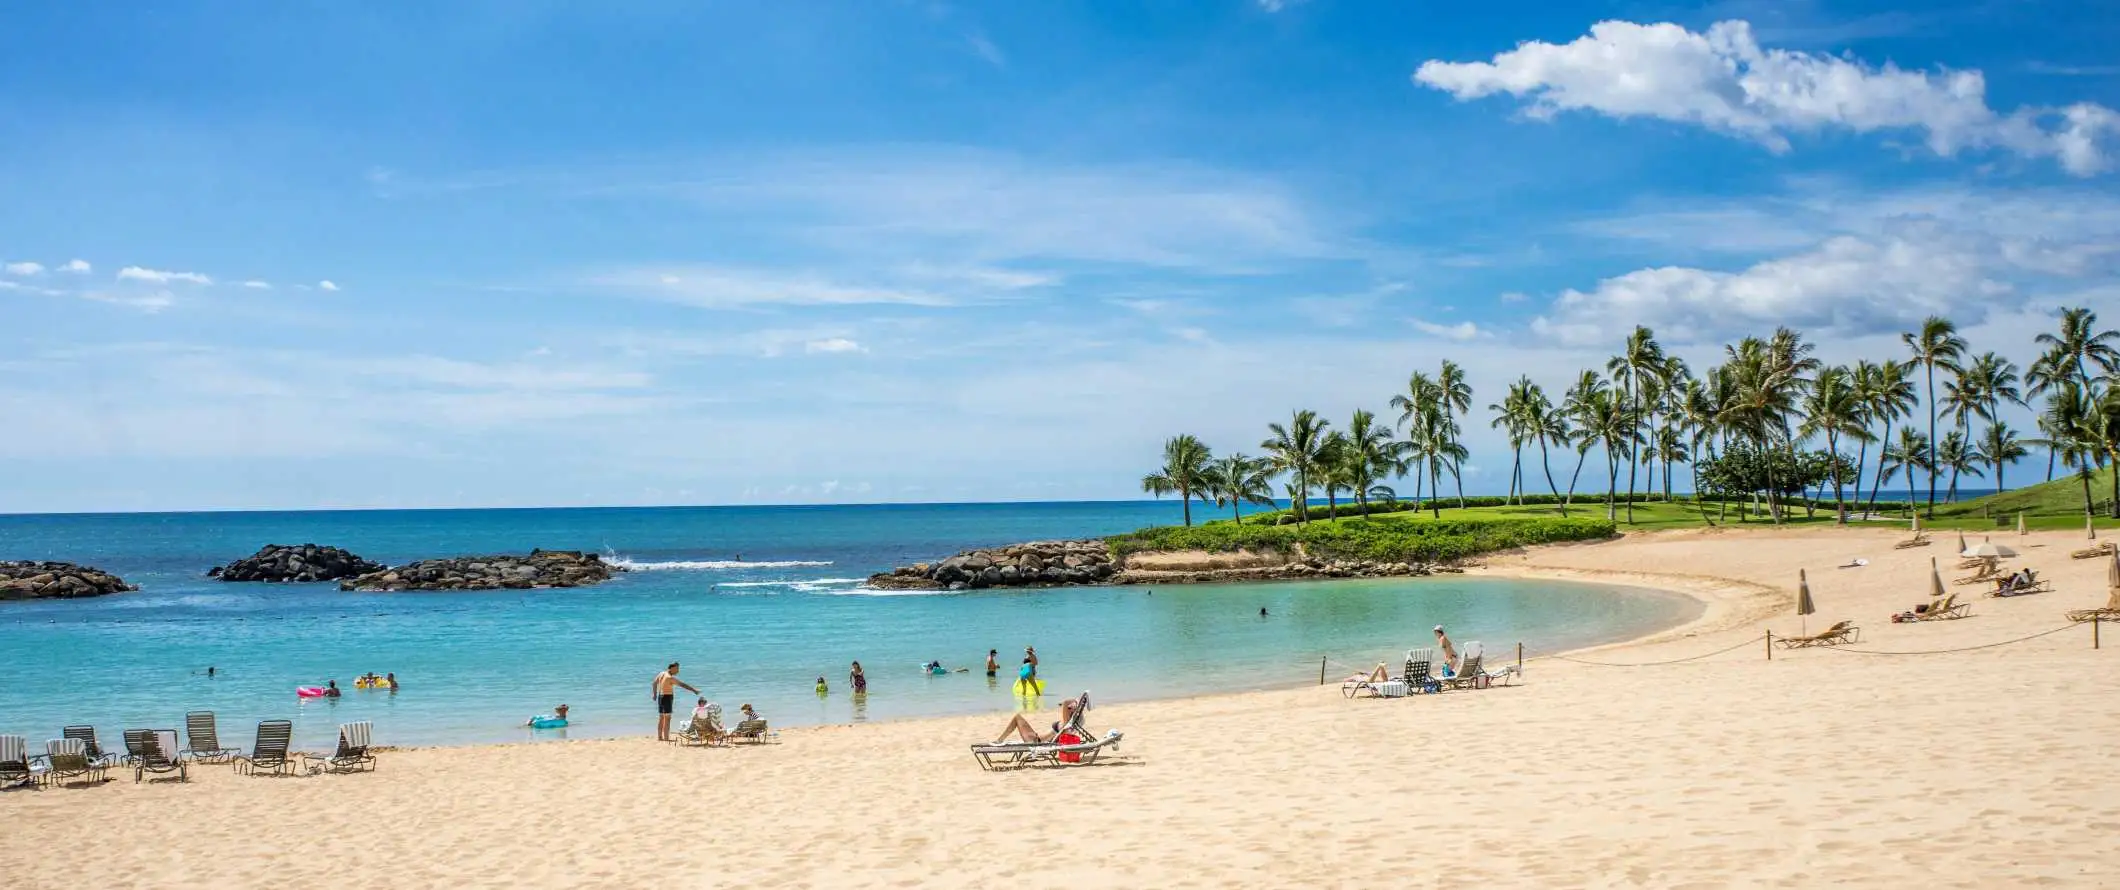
x: 1068, y: 738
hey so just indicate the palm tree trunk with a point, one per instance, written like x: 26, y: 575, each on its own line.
x: 1580, y: 457
x: 1516, y: 473
x: 1840, y: 506
x: 1435, y: 490
x: 1862, y: 459
x: 1932, y: 439
x: 1693, y: 458
x: 2084, y: 473
x: 1547, y: 461
x: 1773, y: 506
x: 1612, y: 488
x: 2050, y: 465
x: 1185, y: 499
x: 1635, y: 406
x: 1884, y: 445
x: 1457, y: 476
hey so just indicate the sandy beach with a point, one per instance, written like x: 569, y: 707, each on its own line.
x: 1976, y: 768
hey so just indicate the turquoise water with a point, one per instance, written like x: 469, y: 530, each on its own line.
x: 756, y: 602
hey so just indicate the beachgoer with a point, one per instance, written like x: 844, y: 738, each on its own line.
x: 1262, y: 611
x: 664, y: 690
x: 209, y: 672
x: 1379, y: 675
x: 560, y: 712
x: 331, y: 689
x: 699, y: 709
x: 859, y: 680
x: 821, y: 688
x: 1450, y: 656
x: 391, y: 679
x: 748, y: 712
x: 993, y: 661
x: 1023, y: 729
x: 1030, y: 657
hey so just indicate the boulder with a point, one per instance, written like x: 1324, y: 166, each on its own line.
x: 295, y: 563
x: 542, y: 568
x: 56, y: 580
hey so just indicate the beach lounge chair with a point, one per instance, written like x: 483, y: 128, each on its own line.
x: 1420, y: 671
x: 1920, y: 539
x: 352, y: 754
x: 702, y: 730
x: 1022, y: 754
x: 269, y: 753
x: 1946, y: 609
x: 15, y: 767
x: 752, y: 730
x: 205, y: 741
x: 1363, y: 684
x: 2110, y: 612
x: 1843, y: 632
x: 145, y: 750
x: 87, y: 735
x: 2009, y: 586
x: 1471, y: 673
x: 2105, y: 549
x: 66, y: 759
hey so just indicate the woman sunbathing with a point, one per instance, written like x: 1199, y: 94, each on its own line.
x: 1022, y: 727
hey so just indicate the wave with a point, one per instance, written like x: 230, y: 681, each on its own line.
x: 798, y: 583
x: 710, y: 565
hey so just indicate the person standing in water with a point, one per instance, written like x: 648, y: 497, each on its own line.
x: 664, y: 689
x: 859, y: 680
x: 993, y: 662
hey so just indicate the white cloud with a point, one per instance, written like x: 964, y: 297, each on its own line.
x: 1462, y: 331
x: 720, y: 288
x: 78, y: 267
x: 1722, y: 79
x: 985, y: 49
x: 149, y: 301
x: 832, y: 344
x: 157, y: 276
x: 255, y: 284
x: 24, y: 269
x: 327, y: 285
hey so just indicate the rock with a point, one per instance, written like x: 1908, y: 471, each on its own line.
x: 1033, y: 564
x: 542, y: 568
x: 56, y: 580
x: 303, y: 563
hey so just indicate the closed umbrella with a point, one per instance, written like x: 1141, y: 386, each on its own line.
x: 2112, y: 572
x: 1917, y: 522
x: 1804, y: 606
x: 1935, y: 579
x: 1961, y: 544
x: 2020, y: 522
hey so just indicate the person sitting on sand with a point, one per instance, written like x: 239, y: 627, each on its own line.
x: 1024, y: 730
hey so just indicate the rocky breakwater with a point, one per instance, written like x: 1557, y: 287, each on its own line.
x: 1036, y: 564
x: 56, y: 580
x: 542, y: 568
x: 284, y: 563
x: 1201, y: 568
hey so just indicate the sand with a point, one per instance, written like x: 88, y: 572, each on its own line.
x: 1990, y: 767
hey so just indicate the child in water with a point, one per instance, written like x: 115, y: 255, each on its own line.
x: 821, y: 688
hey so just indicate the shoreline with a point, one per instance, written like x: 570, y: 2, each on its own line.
x: 1819, y: 766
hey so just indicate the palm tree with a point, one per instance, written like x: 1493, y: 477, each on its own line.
x: 1184, y: 471
x: 1834, y: 409
x: 1297, y: 449
x: 1957, y: 457
x: 1887, y: 395
x: 1639, y: 362
x: 2069, y: 431
x: 1764, y: 377
x: 2080, y: 345
x: 1577, y: 409
x: 2047, y: 372
x: 1456, y: 398
x: 1509, y: 415
x: 1548, y: 426
x: 1236, y: 480
x: 1698, y: 408
x: 1420, y: 394
x: 1676, y: 377
x: 1333, y: 472
x: 1429, y: 439
x: 1605, y: 420
x: 1912, y: 455
x: 1998, y: 447
x: 1936, y: 345
x: 1370, y: 454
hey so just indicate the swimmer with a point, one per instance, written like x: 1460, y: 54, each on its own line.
x: 391, y: 678
x: 822, y: 689
x: 331, y: 689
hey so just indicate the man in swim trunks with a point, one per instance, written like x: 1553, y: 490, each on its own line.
x: 993, y: 662
x: 664, y: 689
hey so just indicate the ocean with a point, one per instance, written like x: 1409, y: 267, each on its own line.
x: 756, y: 602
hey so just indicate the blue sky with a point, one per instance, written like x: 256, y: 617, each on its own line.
x: 267, y: 255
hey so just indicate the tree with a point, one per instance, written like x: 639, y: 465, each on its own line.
x: 1413, y: 405
x: 1834, y: 409
x: 1699, y: 408
x: 1605, y: 421
x: 2080, y: 345
x: 1578, y: 409
x: 1332, y: 472
x: 1936, y: 345
x: 2069, y: 430
x: 1998, y: 447
x: 1639, y: 362
x: 1455, y: 396
x: 1957, y: 457
x: 1184, y: 471
x: 1911, y: 454
x: 1369, y: 454
x: 1887, y: 395
x: 1548, y: 426
x: 1297, y: 449
x: 1510, y: 416
x: 1236, y: 480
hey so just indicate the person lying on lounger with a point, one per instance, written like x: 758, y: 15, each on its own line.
x: 1379, y: 675
x: 1022, y: 727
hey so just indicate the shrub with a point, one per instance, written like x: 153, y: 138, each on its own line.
x: 1395, y: 541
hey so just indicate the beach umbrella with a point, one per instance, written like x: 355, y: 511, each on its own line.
x: 2090, y: 527
x: 1961, y: 543
x: 1917, y: 522
x: 2112, y: 571
x: 1935, y: 579
x: 2020, y: 522
x: 1991, y: 550
x: 1804, y: 606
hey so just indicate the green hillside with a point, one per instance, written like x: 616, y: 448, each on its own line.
x: 2048, y: 504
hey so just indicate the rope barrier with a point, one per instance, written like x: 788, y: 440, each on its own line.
x: 1566, y: 658
x: 1945, y: 651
